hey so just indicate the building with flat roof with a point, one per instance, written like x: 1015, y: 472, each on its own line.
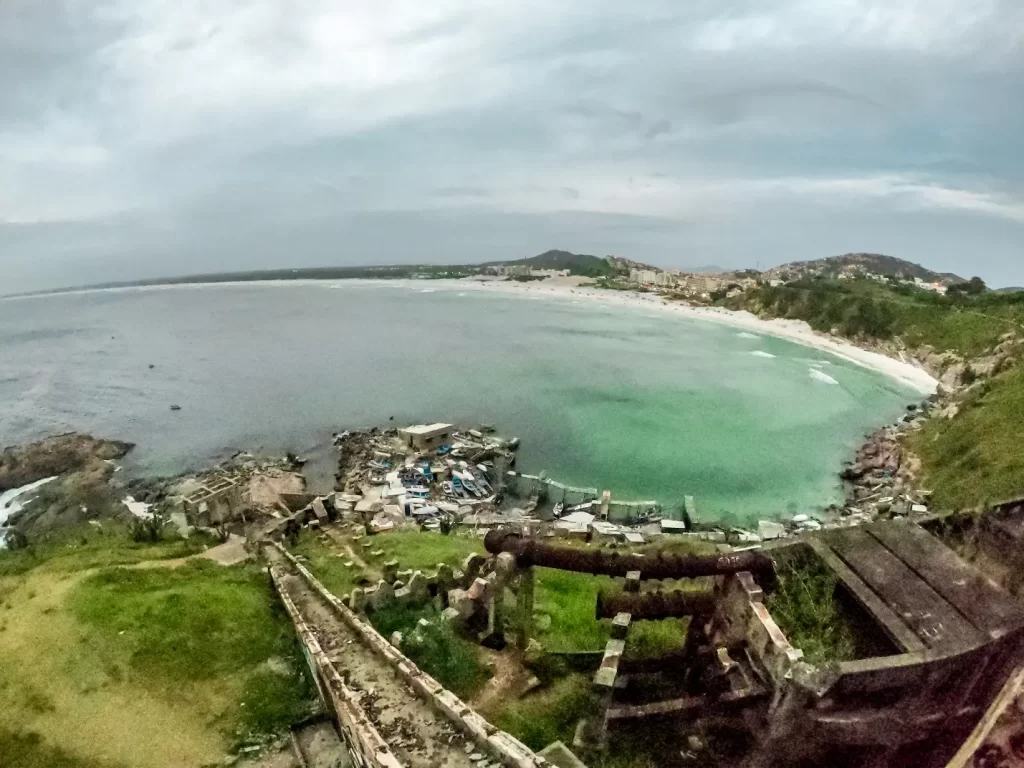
x: 426, y: 437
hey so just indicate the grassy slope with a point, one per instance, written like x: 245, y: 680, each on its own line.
x: 969, y: 460
x: 976, y: 458
x: 149, y: 667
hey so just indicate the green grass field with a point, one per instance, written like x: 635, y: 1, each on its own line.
x: 165, y: 664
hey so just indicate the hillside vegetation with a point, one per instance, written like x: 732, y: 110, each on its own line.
x: 577, y: 263
x: 974, y: 458
x: 873, y: 263
x: 118, y: 653
x: 970, y: 326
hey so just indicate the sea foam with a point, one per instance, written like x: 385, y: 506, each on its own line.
x: 821, y: 376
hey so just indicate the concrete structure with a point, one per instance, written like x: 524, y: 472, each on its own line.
x: 549, y: 273
x: 215, y: 501
x: 643, y: 276
x: 426, y: 437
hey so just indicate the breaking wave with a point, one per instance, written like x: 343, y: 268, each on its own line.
x: 821, y: 376
x: 759, y: 353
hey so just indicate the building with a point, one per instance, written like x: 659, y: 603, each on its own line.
x: 426, y: 437
x: 549, y: 273
x: 215, y: 501
x: 643, y: 276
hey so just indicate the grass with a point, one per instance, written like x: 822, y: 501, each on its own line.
x: 150, y: 667
x: 168, y: 628
x: 88, y: 546
x: 804, y: 607
x: 421, y: 550
x: 975, y: 458
x: 549, y: 714
x: 569, y: 599
x: 328, y: 564
x: 29, y: 750
x: 452, y: 660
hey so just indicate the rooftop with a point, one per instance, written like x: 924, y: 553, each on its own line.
x: 426, y: 429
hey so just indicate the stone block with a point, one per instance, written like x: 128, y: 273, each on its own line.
x: 620, y: 625
x: 445, y: 577
x: 505, y: 566
x: 480, y: 590
x: 460, y: 600
x: 390, y: 571
x: 357, y: 600
x: 473, y: 565
x: 383, y: 594
x: 633, y: 581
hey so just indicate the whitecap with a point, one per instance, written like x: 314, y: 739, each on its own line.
x: 137, y: 508
x: 428, y: 290
x: 745, y: 335
x: 821, y: 376
x: 10, y: 501
x: 759, y: 353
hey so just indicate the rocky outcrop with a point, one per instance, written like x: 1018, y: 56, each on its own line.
x: 881, y: 455
x: 21, y: 465
x: 81, y: 492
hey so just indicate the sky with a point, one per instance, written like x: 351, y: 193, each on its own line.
x: 144, y: 138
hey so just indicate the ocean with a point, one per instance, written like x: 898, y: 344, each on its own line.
x: 628, y: 399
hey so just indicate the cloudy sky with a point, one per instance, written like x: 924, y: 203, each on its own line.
x: 151, y: 137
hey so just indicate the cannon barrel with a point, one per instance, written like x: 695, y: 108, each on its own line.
x: 658, y: 565
x: 655, y: 605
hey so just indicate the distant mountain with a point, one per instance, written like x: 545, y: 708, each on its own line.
x: 707, y: 270
x: 871, y: 263
x: 1013, y: 289
x: 576, y: 263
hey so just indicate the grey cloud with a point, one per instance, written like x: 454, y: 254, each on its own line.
x: 191, y: 135
x: 658, y: 128
x: 464, y: 191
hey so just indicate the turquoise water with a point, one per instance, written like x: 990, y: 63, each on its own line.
x: 645, y: 405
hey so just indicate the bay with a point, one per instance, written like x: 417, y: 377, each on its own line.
x: 645, y: 405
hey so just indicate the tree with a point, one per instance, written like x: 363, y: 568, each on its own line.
x: 973, y: 287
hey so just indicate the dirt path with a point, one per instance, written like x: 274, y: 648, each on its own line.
x: 419, y: 736
x: 511, y: 678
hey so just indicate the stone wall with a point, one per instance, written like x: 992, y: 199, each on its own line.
x: 500, y: 745
x: 365, y: 746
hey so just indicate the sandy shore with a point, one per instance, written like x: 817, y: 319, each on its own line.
x: 906, y: 372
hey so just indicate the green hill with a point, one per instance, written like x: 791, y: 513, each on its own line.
x: 870, y: 263
x: 576, y: 263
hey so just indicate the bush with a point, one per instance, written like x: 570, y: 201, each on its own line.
x: 435, y: 648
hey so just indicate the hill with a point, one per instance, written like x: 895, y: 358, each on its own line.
x: 576, y: 263
x: 866, y: 263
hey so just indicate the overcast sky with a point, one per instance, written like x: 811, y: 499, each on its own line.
x: 141, y: 138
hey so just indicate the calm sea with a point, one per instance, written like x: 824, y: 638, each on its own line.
x: 645, y: 405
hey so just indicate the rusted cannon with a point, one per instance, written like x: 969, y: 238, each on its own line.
x: 655, y: 605
x: 661, y: 565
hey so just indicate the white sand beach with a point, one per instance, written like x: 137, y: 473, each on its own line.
x: 908, y: 372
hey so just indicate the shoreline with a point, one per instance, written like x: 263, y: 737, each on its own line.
x: 906, y: 372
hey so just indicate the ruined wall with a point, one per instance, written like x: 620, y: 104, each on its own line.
x: 500, y: 745
x: 365, y: 746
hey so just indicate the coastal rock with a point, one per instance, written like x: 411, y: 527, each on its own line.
x: 58, y: 455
